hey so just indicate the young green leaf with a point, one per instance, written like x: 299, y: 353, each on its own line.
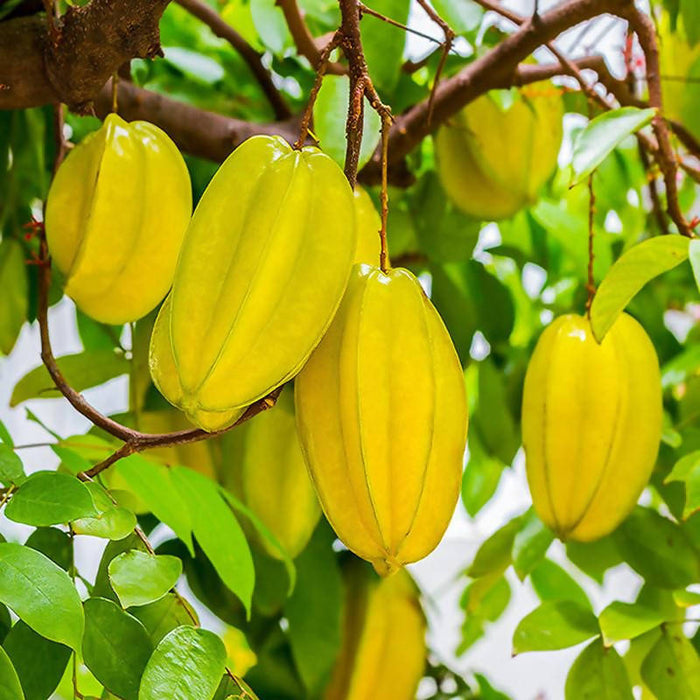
x: 5, y: 436
x: 627, y: 620
x: 50, y: 498
x: 188, y: 663
x: 598, y: 673
x: 41, y: 594
x: 139, y: 578
x: 630, y: 273
x: 383, y: 45
x: 687, y: 471
x: 164, y: 615
x: 54, y: 544
x: 217, y: 531
x: 82, y: 371
x: 116, y: 647
x: 10, y: 688
x: 602, y: 136
x: 551, y: 582
x: 671, y: 670
x: 530, y: 544
x: 39, y: 662
x: 658, y: 549
x: 594, y: 558
x: 554, y: 625
x: 111, y: 522
x: 11, y: 468
x: 495, y: 554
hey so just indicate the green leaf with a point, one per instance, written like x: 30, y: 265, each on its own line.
x: 332, y: 100
x: 10, y: 688
x: 630, y: 273
x: 553, y: 625
x: 188, y: 663
x: 486, y: 598
x: 103, y: 587
x: 111, y: 522
x: 5, y: 436
x: 39, y: 662
x: 50, y: 498
x: 54, y: 544
x: 194, y: 64
x: 218, y: 532
x: 139, y: 578
x: 690, y: 11
x: 314, y: 612
x: 164, y: 615
x: 671, y: 670
x: 82, y: 371
x: 598, y: 674
x: 152, y: 483
x: 495, y: 554
x: 480, y: 479
x: 530, y: 544
x: 116, y: 647
x: 658, y: 549
x: 11, y: 468
x: 270, y: 25
x: 551, y: 582
x: 687, y: 471
x: 627, y: 620
x: 594, y: 558
x: 461, y: 16
x: 603, y: 135
x: 41, y: 594
x: 14, y: 283
x: 384, y: 44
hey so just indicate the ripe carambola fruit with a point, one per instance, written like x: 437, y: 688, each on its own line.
x: 116, y: 215
x: 262, y: 270
x: 368, y: 225
x: 382, y: 416
x: 274, y: 479
x: 591, y: 424
x: 383, y: 648
x: 493, y: 161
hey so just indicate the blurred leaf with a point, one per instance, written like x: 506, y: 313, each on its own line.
x: 630, y: 273
x: 5, y: 436
x: 495, y: 554
x: 554, y: 625
x: 139, y: 578
x: 551, y: 582
x: 594, y: 558
x: 95, y: 335
x: 54, y: 544
x: 598, y: 674
x: 687, y: 471
x: 461, y: 16
x: 384, y: 44
x: 314, y: 612
x: 153, y: 484
x: 487, y: 691
x: 480, y: 479
x: 672, y: 669
x: 15, y: 293
x: 194, y: 64
x: 602, y: 135
x: 116, y: 647
x: 329, y: 127
x: 690, y: 11
x: 10, y: 688
x: 188, y: 663
x: 11, y: 468
x: 270, y: 25
x: 217, y: 531
x: 50, y: 498
x: 41, y: 594
x: 627, y: 620
x: 486, y: 598
x: 82, y: 371
x: 39, y: 662
x: 531, y: 544
x: 658, y: 549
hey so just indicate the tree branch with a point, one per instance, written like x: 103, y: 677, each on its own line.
x: 223, y: 30
x: 91, y: 43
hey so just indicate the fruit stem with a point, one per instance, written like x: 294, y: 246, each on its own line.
x: 384, y: 262
x: 590, y: 285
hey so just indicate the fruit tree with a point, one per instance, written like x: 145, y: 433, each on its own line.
x: 294, y: 294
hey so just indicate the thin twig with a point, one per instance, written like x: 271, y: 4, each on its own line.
x: 253, y: 58
x: 656, y: 206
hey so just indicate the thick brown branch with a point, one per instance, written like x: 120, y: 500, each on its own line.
x: 223, y: 30
x: 91, y: 43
